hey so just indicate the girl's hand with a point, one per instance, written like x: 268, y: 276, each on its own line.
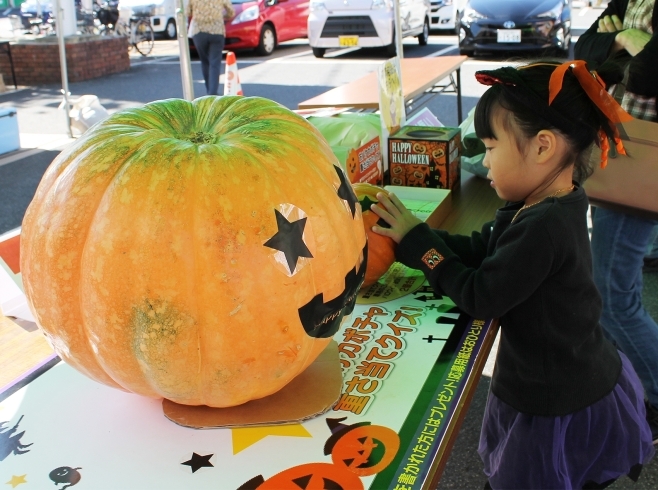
x: 395, y: 214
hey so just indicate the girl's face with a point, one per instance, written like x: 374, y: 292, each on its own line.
x: 512, y: 173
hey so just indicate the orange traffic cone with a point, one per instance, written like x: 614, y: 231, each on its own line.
x: 231, y: 78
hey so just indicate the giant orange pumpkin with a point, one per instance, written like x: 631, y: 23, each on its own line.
x: 201, y: 251
x: 381, y: 249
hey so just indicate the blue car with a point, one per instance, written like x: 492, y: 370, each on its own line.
x: 514, y: 25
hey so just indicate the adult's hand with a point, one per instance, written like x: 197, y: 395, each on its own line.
x: 610, y: 23
x: 633, y: 40
x: 396, y: 215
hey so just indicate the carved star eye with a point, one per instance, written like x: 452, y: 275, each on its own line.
x: 289, y: 240
x: 345, y: 191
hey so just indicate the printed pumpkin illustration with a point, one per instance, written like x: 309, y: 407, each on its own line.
x: 417, y: 175
x: 352, y: 165
x: 361, y: 448
x: 310, y: 476
x: 419, y: 147
x: 205, y: 252
x: 381, y: 249
x: 439, y: 154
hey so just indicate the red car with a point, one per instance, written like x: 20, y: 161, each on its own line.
x: 262, y: 24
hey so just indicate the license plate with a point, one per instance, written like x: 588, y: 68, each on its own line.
x: 348, y: 40
x: 509, y: 35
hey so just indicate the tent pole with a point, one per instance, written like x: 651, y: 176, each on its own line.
x: 59, y: 26
x: 184, y: 48
x: 398, y: 31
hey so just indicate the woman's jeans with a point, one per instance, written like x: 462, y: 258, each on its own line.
x: 210, y: 47
x: 652, y: 251
x: 619, y: 244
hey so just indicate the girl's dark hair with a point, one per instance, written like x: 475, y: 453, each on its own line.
x: 525, y: 95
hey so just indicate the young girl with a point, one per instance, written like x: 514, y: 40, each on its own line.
x: 566, y: 409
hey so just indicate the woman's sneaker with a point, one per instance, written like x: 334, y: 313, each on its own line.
x: 652, y: 418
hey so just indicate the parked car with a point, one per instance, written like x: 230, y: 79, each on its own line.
x: 365, y: 23
x: 263, y: 24
x: 444, y: 13
x: 514, y: 25
x: 161, y: 12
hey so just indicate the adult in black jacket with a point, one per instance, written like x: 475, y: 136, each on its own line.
x: 627, y: 31
x: 604, y: 39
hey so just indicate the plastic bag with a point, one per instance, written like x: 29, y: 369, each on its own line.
x: 86, y: 111
x: 472, y: 148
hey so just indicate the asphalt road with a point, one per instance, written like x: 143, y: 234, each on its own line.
x: 290, y: 76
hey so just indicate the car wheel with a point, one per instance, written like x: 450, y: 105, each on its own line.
x: 466, y: 52
x: 170, y: 30
x: 391, y: 49
x: 319, y: 52
x: 267, y: 41
x: 425, y: 35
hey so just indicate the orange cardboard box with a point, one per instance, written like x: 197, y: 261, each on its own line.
x: 425, y: 156
x: 363, y: 164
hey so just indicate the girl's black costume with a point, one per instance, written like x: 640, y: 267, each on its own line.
x: 565, y: 408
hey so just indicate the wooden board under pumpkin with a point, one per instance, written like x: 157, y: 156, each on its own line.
x: 308, y: 395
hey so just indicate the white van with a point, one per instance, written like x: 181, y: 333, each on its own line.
x: 161, y: 12
x: 365, y: 23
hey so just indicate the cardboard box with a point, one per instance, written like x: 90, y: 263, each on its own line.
x: 425, y: 156
x: 9, y: 139
x: 430, y: 205
x: 313, y: 392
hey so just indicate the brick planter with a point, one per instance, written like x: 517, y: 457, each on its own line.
x: 36, y: 62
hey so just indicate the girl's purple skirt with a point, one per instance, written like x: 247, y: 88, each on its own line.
x: 596, y: 444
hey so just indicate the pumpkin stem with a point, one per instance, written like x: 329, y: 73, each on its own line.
x: 201, y: 137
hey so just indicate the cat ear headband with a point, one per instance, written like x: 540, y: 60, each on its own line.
x: 591, y: 83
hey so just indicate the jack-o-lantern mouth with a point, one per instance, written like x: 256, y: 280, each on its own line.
x: 322, y: 320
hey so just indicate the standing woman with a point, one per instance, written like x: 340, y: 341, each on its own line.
x: 207, y: 31
x: 628, y: 29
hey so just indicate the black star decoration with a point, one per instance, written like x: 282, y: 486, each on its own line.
x: 366, y: 203
x: 289, y: 240
x: 346, y: 192
x: 197, y: 461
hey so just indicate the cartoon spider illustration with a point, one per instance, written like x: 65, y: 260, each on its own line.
x: 10, y: 443
x: 65, y: 474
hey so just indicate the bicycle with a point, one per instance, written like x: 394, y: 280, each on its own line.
x: 138, y: 30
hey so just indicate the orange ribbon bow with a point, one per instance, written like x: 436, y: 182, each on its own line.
x: 594, y: 87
